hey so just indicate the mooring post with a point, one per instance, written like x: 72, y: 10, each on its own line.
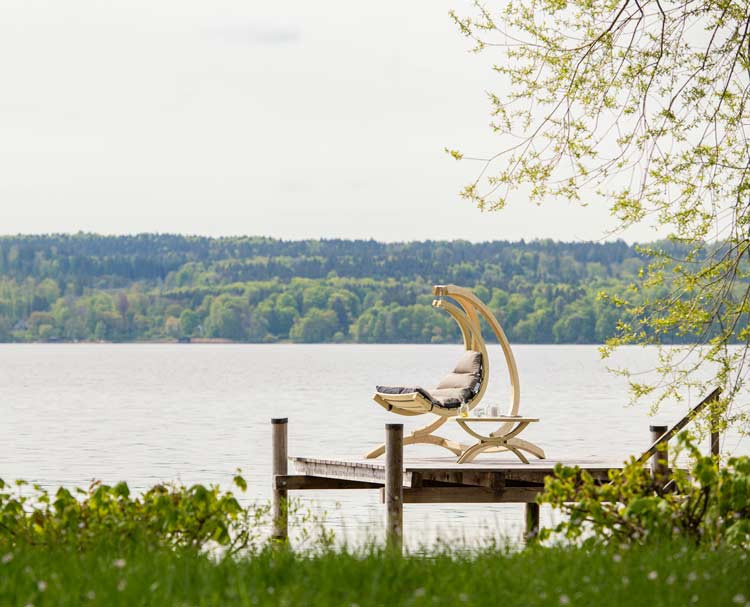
x: 394, y: 491
x: 660, y: 459
x: 279, y: 467
x: 714, y: 442
x: 532, y: 520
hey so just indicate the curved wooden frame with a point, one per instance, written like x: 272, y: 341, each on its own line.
x: 466, y: 311
x: 497, y: 441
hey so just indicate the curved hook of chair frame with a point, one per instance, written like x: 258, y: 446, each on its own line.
x: 471, y: 304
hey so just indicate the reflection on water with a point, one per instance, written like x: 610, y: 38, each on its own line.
x: 147, y: 413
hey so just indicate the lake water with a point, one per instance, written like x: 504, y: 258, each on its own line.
x: 194, y: 413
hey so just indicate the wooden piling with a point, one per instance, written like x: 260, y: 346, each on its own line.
x: 532, y: 520
x: 394, y: 491
x: 660, y: 458
x: 279, y: 468
x: 715, y: 444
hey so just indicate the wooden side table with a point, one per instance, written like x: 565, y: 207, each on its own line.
x: 501, y: 439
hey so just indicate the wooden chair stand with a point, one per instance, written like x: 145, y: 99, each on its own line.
x: 466, y: 311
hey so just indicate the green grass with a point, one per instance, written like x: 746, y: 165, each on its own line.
x: 653, y: 576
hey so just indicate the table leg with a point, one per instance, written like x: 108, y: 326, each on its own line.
x: 469, y: 455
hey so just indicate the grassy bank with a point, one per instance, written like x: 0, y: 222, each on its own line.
x: 654, y: 576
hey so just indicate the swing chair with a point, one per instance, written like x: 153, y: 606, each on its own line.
x: 465, y: 385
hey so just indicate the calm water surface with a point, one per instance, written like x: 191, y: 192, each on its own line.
x: 148, y: 413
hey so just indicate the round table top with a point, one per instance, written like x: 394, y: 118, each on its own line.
x: 501, y: 418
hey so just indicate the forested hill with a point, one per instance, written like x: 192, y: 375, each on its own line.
x: 153, y: 286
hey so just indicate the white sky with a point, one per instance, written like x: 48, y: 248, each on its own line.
x: 293, y: 119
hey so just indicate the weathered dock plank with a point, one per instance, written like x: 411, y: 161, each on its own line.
x: 364, y: 471
x: 419, y: 472
x: 470, y: 495
x: 303, y: 481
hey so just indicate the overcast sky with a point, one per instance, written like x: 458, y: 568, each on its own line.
x: 293, y: 119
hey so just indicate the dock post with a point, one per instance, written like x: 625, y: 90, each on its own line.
x: 279, y: 467
x: 394, y: 492
x: 660, y: 459
x: 532, y: 520
x: 714, y: 442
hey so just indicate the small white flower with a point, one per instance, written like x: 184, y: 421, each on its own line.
x: 616, y: 558
x: 671, y: 579
x: 42, y: 585
x: 625, y: 580
x: 119, y: 563
x: 694, y: 598
x: 419, y: 592
x: 91, y: 595
x: 564, y: 599
x: 739, y: 599
x: 121, y: 585
x: 463, y: 597
x: 692, y: 576
x: 270, y: 590
x: 7, y: 558
x: 652, y: 575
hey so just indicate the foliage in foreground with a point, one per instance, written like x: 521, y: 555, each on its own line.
x: 709, y: 505
x: 177, y: 545
x: 667, y: 574
x: 172, y: 516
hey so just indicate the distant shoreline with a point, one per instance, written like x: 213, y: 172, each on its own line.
x: 229, y: 342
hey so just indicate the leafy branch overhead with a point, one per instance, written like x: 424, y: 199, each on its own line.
x: 642, y: 106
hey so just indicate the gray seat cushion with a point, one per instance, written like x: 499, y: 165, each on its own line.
x: 454, y: 389
x: 466, y: 375
x: 458, y: 380
x: 470, y: 362
x: 449, y: 398
x: 403, y: 390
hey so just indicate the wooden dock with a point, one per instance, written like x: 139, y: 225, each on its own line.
x: 498, y: 478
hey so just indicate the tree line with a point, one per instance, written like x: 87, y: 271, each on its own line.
x: 150, y: 287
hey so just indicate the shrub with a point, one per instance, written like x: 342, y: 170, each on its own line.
x: 167, y: 515
x: 707, y: 504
